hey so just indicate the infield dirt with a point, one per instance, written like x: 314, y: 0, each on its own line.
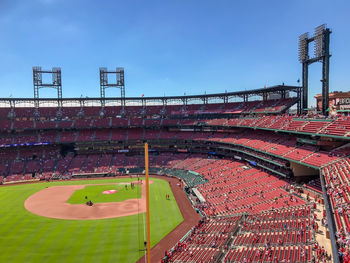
x: 52, y: 202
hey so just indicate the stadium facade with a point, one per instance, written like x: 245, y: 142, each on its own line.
x: 54, y: 139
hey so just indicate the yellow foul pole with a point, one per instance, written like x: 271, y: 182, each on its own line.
x: 147, y: 207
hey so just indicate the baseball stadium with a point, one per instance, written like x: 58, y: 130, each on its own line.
x: 243, y: 176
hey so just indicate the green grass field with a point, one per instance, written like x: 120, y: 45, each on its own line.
x: 94, y: 193
x: 25, y: 237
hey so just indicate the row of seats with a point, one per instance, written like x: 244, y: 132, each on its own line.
x: 49, y: 162
x: 286, y: 123
x: 275, y: 238
x: 202, y: 243
x: 259, y: 144
x: 98, y: 135
x: 278, y: 145
x: 84, y: 123
x: 338, y: 127
x: 18, y: 169
x: 234, y: 189
x: 297, y: 254
x: 235, y: 238
x: 337, y: 178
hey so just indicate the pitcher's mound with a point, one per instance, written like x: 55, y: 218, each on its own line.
x: 108, y: 192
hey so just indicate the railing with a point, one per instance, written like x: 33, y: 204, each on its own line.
x: 331, y: 221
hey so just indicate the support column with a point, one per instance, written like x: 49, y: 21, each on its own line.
x: 305, y: 86
x: 325, y: 73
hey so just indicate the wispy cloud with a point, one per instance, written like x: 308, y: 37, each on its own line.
x: 48, y: 2
x: 58, y: 27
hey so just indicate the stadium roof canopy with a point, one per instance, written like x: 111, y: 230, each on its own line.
x: 205, y: 98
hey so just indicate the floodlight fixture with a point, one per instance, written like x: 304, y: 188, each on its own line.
x: 56, y: 76
x: 319, y: 30
x: 37, y: 76
x: 319, y: 39
x: 120, y: 76
x: 104, y: 83
x: 303, y: 47
x: 38, y: 84
x: 103, y: 76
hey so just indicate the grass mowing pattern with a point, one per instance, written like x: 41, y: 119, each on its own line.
x: 94, y: 193
x: 25, y: 237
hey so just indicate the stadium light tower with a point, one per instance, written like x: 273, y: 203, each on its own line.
x: 38, y: 84
x: 104, y: 84
x: 321, y: 41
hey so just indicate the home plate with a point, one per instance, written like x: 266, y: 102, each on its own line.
x: 108, y: 192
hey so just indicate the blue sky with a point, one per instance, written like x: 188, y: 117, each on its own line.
x: 168, y: 47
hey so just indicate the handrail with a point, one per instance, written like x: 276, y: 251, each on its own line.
x: 330, y: 218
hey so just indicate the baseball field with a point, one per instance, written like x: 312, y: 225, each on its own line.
x: 29, y: 237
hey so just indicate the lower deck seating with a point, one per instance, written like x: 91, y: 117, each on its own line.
x: 279, y: 236
x: 295, y: 254
x: 235, y: 188
x: 245, y: 214
x: 249, y: 217
x: 337, y: 178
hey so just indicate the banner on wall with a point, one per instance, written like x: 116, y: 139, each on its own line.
x: 23, y: 144
x: 252, y: 163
